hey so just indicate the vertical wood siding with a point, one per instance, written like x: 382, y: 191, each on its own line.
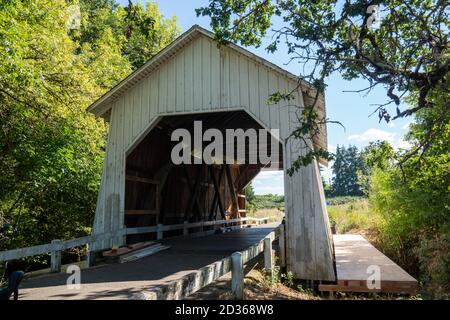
x: 203, y: 78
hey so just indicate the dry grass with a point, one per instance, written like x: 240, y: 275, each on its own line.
x: 355, y: 217
x: 274, y: 215
x: 256, y: 287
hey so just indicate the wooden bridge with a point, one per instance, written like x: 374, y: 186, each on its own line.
x: 196, y: 260
x: 189, y: 264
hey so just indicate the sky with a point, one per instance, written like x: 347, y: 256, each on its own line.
x: 351, y: 109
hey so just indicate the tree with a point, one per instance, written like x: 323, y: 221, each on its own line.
x: 139, y: 31
x: 51, y: 149
x: 407, y: 59
x: 250, y: 197
x: 348, y: 162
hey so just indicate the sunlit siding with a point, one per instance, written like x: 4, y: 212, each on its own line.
x: 201, y: 77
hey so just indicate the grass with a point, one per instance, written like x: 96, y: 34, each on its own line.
x: 274, y: 215
x: 353, y: 216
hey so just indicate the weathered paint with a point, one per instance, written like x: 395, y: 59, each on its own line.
x: 202, y: 77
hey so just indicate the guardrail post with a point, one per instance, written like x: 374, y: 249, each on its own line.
x: 282, y: 245
x: 237, y: 276
x: 90, y: 259
x: 159, y: 233
x: 185, y: 228
x: 55, y: 261
x: 268, y: 254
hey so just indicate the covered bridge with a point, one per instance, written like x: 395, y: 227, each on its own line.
x: 225, y: 87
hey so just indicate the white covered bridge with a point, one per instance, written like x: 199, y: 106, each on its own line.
x: 226, y: 87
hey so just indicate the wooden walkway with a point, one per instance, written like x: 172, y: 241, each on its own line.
x: 129, y: 280
x: 357, y: 263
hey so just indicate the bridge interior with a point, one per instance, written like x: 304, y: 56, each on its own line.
x: 157, y: 191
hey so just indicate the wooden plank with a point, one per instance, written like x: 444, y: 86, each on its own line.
x: 233, y: 195
x: 206, y: 74
x: 194, y: 193
x: 189, y: 78
x: 216, y: 204
x: 127, y: 249
x: 142, y: 253
x: 142, y: 212
x: 217, y: 199
x: 384, y: 289
x: 141, y: 179
x: 355, y: 260
x: 197, y: 74
x: 180, y: 81
x: 354, y: 255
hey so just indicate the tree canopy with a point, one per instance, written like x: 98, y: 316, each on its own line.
x: 346, y: 166
x: 407, y: 53
x: 51, y: 149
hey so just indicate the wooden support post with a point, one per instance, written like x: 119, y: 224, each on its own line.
x: 268, y: 254
x: 217, y: 201
x: 185, y: 228
x: 90, y: 259
x: 159, y: 233
x: 193, y: 201
x: 234, y: 200
x: 237, y: 276
x: 282, y: 245
x: 55, y: 262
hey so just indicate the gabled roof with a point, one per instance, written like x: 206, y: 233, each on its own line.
x: 103, y: 104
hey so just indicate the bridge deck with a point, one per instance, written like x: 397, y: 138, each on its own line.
x: 122, y: 281
x: 357, y: 260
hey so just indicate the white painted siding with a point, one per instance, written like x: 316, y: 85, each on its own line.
x: 203, y: 78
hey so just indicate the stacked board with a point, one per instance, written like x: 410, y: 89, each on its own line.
x: 360, y: 267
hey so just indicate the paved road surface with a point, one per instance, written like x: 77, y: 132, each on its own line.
x: 122, y: 281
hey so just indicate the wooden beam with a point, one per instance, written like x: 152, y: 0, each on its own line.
x: 234, y: 200
x: 141, y: 179
x: 141, y: 212
x: 194, y: 192
x: 217, y: 200
x: 216, y: 205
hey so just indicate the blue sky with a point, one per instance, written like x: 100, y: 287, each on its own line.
x: 351, y: 109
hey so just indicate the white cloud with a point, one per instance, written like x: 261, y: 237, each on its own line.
x: 374, y: 134
x: 331, y: 148
x: 406, y: 126
x: 269, y: 182
x: 391, y: 124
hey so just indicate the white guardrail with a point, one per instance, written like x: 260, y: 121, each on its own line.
x: 56, y: 246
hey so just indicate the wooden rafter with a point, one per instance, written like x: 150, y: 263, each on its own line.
x: 193, y: 201
x: 234, y: 200
x: 217, y: 201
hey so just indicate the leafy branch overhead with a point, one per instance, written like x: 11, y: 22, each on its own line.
x: 407, y: 53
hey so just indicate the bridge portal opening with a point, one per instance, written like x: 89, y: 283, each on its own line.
x: 159, y: 191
